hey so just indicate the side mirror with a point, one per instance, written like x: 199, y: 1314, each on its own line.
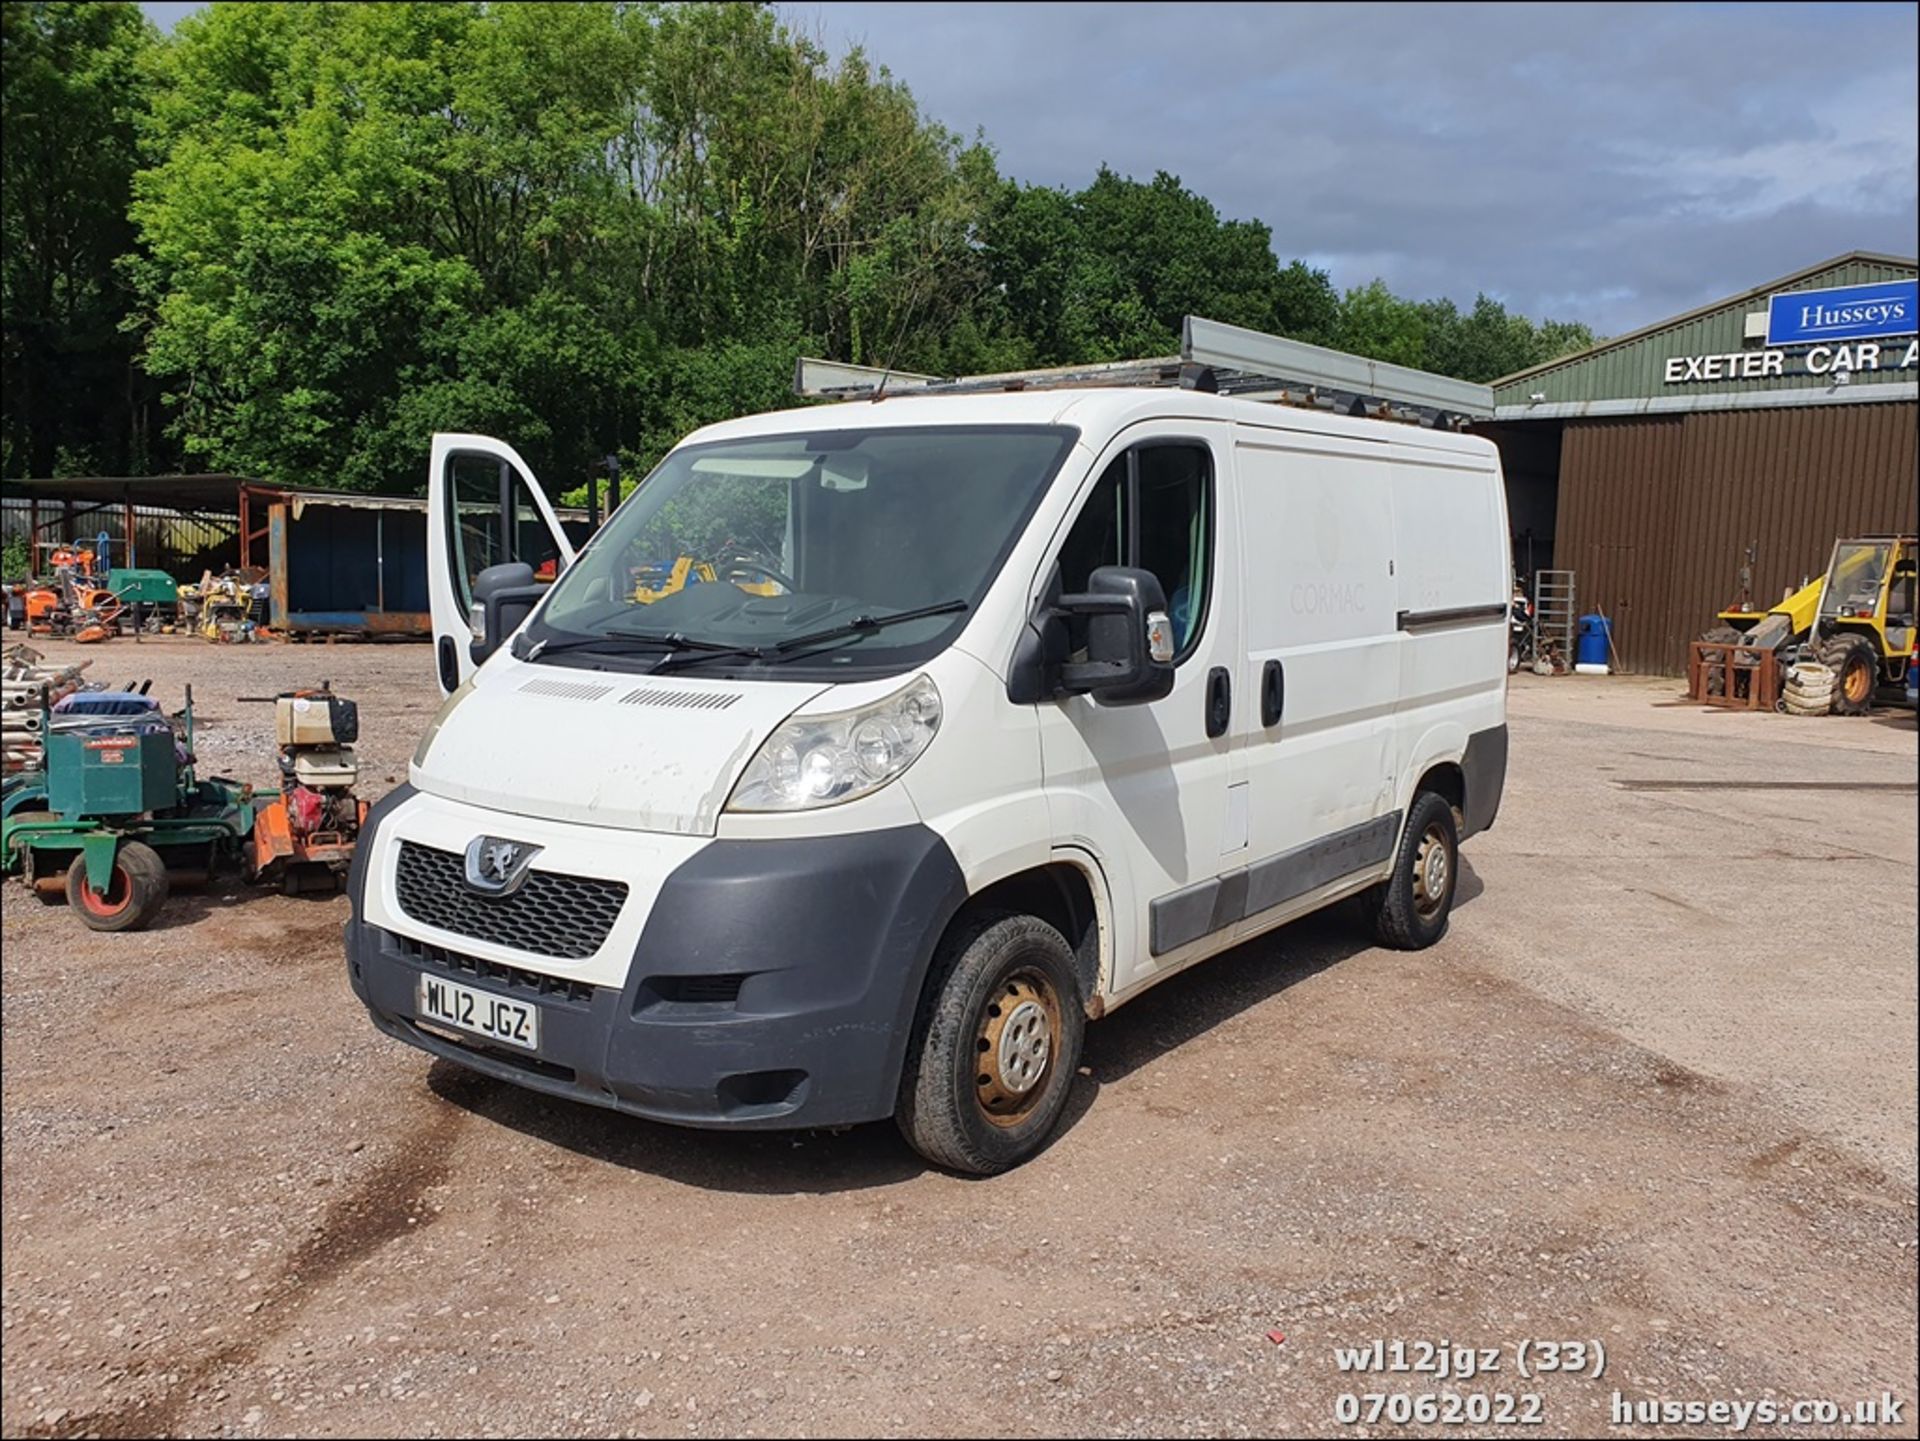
x: 503, y: 595
x: 1129, y: 638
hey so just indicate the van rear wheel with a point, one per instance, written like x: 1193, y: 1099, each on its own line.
x: 996, y: 1048
x: 1409, y: 910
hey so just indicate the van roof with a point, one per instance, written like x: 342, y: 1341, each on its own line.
x: 1101, y: 410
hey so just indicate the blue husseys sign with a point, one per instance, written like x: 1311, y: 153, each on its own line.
x: 1851, y: 312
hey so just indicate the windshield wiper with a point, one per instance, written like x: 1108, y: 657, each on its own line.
x: 685, y: 650
x: 672, y: 642
x: 789, y: 648
x: 863, y: 625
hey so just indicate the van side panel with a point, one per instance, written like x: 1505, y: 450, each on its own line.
x: 1317, y: 539
x: 1450, y: 531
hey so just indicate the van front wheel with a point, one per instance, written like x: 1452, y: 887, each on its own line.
x: 1409, y: 909
x: 996, y: 1047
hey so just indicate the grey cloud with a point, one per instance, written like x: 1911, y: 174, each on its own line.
x: 1613, y: 164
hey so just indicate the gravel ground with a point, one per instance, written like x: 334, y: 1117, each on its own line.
x: 1655, y: 1089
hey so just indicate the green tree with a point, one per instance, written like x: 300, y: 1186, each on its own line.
x: 575, y: 224
x: 353, y: 235
x: 71, y: 89
x: 1555, y: 338
x: 1484, y: 344
x: 1376, y: 323
x: 1306, y: 306
x: 1111, y: 271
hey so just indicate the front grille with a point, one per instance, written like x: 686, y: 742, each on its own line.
x: 566, y: 917
x: 530, y: 984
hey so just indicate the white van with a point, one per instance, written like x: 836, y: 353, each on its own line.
x: 869, y: 751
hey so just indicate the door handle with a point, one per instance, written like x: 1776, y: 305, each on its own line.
x: 1273, y: 692
x: 449, y: 665
x: 1219, y: 701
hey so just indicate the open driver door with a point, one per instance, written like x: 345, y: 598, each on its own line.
x: 484, y: 508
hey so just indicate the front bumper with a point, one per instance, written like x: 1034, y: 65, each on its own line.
x: 774, y: 983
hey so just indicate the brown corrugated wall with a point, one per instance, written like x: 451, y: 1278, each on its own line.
x: 1656, y: 513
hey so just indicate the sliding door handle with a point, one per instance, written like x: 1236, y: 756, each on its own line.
x: 1219, y: 701
x: 1273, y: 693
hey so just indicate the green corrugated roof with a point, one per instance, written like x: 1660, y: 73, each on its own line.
x: 1632, y: 366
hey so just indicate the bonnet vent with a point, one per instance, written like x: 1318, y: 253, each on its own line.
x: 566, y: 689
x: 654, y: 695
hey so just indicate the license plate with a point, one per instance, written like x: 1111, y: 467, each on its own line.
x: 481, y: 1012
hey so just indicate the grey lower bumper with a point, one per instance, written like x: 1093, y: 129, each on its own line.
x: 774, y: 985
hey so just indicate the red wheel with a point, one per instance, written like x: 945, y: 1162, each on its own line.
x: 133, y: 894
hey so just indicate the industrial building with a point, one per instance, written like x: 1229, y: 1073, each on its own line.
x: 1775, y: 420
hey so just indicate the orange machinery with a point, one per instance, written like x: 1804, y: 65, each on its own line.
x: 72, y: 601
x: 304, y: 837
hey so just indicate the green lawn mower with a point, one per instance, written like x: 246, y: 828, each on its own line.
x: 115, y: 814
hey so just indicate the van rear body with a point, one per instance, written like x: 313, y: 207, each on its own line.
x: 997, y: 711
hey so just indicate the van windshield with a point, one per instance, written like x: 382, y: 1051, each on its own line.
x: 730, y: 550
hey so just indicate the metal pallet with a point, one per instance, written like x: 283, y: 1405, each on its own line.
x: 1554, y: 614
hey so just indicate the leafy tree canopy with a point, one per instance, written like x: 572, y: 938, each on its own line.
x: 70, y: 91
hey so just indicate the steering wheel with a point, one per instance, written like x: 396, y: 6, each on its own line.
x: 755, y: 561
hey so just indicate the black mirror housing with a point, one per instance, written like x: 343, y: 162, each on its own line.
x: 1120, y: 604
x: 502, y: 597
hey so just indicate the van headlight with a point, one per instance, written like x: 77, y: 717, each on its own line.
x: 460, y: 693
x: 823, y: 760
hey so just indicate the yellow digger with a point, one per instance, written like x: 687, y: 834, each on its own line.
x: 653, y: 583
x: 1858, y: 619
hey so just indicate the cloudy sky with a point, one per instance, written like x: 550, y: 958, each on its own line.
x: 1609, y: 163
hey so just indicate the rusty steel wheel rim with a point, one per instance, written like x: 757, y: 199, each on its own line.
x: 110, y: 902
x: 1016, y: 1046
x: 1432, y: 871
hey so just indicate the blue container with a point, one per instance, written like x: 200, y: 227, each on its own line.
x: 1596, y: 637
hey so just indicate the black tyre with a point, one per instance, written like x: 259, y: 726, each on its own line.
x: 1409, y: 909
x: 1856, y: 671
x: 134, y: 894
x: 996, y: 1047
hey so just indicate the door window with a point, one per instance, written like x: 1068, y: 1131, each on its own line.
x: 1152, y: 508
x: 496, y: 522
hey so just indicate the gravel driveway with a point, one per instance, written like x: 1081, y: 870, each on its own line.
x: 1655, y: 1089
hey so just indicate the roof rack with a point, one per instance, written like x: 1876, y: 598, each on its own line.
x: 1214, y: 357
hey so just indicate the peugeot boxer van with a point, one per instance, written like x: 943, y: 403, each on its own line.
x: 868, y: 752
